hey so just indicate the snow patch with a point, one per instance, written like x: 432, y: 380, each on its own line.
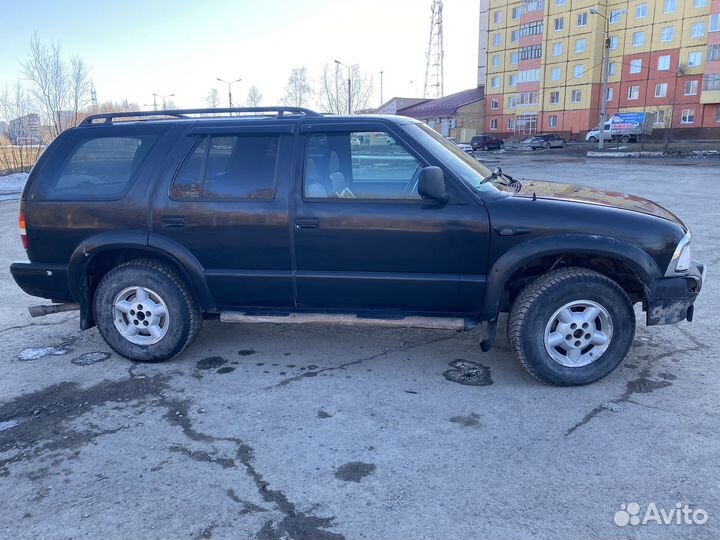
x: 27, y: 355
x: 12, y: 185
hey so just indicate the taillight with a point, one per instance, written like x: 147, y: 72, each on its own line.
x: 23, y: 229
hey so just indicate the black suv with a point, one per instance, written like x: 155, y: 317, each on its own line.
x: 486, y: 142
x: 148, y: 224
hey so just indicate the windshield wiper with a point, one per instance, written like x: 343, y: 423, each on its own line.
x: 497, y: 176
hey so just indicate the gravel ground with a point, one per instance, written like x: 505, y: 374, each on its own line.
x: 265, y: 431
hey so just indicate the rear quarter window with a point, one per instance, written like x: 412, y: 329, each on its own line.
x: 99, y: 168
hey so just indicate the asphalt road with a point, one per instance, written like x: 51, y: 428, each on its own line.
x: 266, y: 431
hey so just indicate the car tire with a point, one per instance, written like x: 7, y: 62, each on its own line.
x: 547, y: 146
x: 589, y: 300
x: 564, y: 144
x: 157, y: 331
x: 624, y: 139
x: 593, y: 140
x: 484, y: 148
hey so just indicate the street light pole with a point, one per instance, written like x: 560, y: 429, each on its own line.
x: 338, y: 62
x: 381, y: 87
x: 605, y: 74
x: 163, y: 100
x: 229, y: 85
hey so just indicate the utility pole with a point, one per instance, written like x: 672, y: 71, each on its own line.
x: 349, y: 98
x: 381, y: 87
x: 229, y: 85
x: 606, y: 66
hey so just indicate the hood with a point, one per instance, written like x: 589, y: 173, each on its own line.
x: 588, y: 195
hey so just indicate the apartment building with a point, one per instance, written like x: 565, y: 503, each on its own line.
x: 544, y: 64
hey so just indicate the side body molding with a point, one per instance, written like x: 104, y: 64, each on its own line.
x: 578, y: 244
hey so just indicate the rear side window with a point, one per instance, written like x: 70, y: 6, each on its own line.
x: 230, y: 168
x: 96, y: 168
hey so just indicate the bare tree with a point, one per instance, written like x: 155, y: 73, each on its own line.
x: 254, y: 96
x: 334, y: 90
x: 17, y: 153
x: 298, y: 91
x: 213, y: 98
x: 61, y: 89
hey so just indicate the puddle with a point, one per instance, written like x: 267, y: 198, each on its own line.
x: 354, y: 471
x: 472, y: 420
x: 211, y: 362
x: 90, y: 358
x: 468, y: 373
x: 28, y: 355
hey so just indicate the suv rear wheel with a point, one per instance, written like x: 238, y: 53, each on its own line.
x: 571, y: 326
x: 145, y: 311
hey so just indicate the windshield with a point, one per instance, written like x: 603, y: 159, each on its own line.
x: 465, y: 167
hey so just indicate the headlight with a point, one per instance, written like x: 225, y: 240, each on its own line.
x: 682, y: 257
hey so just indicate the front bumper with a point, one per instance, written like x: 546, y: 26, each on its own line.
x: 671, y: 300
x: 43, y: 280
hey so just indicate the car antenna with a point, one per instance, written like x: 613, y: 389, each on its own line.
x: 534, y: 196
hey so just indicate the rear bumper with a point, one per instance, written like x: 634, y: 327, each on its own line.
x: 43, y: 280
x: 671, y: 300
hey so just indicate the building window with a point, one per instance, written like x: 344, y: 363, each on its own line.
x: 496, y: 60
x: 576, y: 96
x: 691, y: 88
x: 697, y: 30
x: 514, y: 35
x: 641, y: 11
x: 615, y: 15
x: 555, y: 74
x: 713, y: 53
x: 512, y: 80
x: 580, y: 45
x: 533, y: 51
x: 638, y: 39
x: 514, y: 58
x: 717, y: 115
x: 659, y: 117
x: 498, y: 17
x: 670, y: 6
x: 557, y: 49
x: 532, y: 29
x: 529, y: 75
x: 555, y: 97
x: 559, y: 2
x: 495, y: 82
x: 695, y: 59
x: 609, y: 94
x: 661, y: 90
x: 559, y: 23
x: 516, y: 12
x: 700, y: 3
x: 711, y: 82
x: 510, y: 124
x: 512, y: 101
x: 578, y: 71
x: 612, y: 67
x: 493, y: 124
x: 715, y: 22
x: 497, y: 39
x: 527, y: 98
x: 634, y: 92
x: 494, y: 104
x: 614, y: 41
x: 664, y: 62
x: 636, y: 65
x: 552, y: 121
x: 688, y: 116
x: 582, y: 19
x: 667, y: 34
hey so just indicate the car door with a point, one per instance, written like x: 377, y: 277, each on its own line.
x: 224, y: 202
x: 364, y: 239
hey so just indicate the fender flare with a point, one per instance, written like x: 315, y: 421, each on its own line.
x: 644, y: 266
x: 140, y: 241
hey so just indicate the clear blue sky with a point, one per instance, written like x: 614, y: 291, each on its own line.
x: 135, y: 48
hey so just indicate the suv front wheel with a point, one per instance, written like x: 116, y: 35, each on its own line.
x: 571, y: 326
x: 145, y: 311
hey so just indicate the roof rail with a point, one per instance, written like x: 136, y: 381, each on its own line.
x: 107, y: 118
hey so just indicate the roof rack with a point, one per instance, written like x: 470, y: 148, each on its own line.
x: 107, y: 118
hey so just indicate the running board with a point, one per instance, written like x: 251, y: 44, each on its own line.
x: 441, y: 323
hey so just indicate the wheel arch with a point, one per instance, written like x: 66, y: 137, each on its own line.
x: 628, y: 264
x: 96, y: 256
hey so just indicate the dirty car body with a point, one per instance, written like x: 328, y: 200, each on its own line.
x: 153, y: 224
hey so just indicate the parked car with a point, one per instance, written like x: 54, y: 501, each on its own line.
x: 486, y: 142
x: 148, y: 226
x: 465, y: 147
x: 547, y: 141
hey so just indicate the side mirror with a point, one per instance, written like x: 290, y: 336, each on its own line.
x: 431, y: 185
